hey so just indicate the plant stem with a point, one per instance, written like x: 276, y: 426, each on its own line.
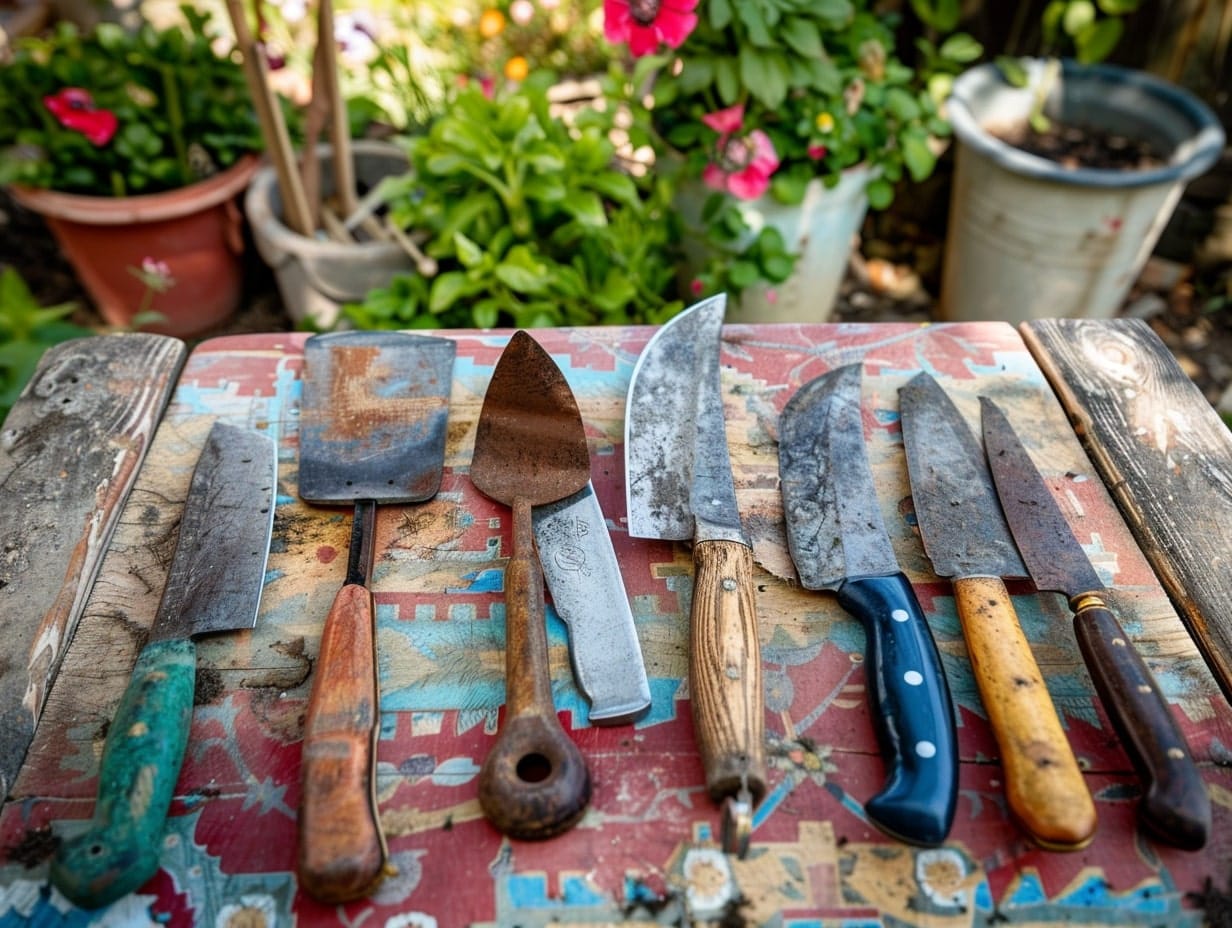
x: 175, y: 115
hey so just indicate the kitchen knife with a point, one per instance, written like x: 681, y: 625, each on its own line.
x: 588, y: 593
x: 214, y: 585
x: 967, y: 540
x: 838, y: 542
x: 679, y: 486
x: 1176, y: 808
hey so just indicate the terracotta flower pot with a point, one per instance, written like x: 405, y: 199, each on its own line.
x: 196, y: 231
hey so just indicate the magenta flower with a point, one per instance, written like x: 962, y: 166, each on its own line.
x: 743, y: 163
x: 74, y: 109
x: 646, y: 23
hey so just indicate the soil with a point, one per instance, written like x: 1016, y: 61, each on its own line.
x: 1085, y: 146
x: 893, y: 276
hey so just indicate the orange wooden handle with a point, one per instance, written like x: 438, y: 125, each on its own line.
x: 1044, y: 785
x: 341, y: 846
x: 725, y: 670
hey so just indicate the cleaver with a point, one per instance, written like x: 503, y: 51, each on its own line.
x: 214, y: 585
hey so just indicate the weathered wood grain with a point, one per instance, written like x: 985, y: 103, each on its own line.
x: 70, y: 450
x: 1163, y: 452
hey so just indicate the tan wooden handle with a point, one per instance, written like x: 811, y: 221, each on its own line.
x: 341, y: 846
x: 725, y: 670
x: 534, y: 783
x: 1044, y: 785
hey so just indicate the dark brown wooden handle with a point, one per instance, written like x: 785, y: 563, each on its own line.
x: 725, y: 679
x: 1043, y: 782
x: 1176, y: 808
x: 534, y: 783
x: 341, y: 846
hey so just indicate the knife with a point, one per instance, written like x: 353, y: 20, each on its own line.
x: 838, y: 542
x: 679, y: 486
x: 214, y: 585
x: 1176, y: 808
x: 967, y: 540
x: 588, y: 593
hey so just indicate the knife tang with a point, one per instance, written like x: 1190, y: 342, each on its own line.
x: 912, y: 711
x: 1176, y: 808
x: 141, y: 761
x: 341, y: 846
x: 725, y: 670
x: 1044, y: 785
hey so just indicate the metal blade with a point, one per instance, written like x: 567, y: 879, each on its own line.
x: 834, y: 525
x: 218, y: 569
x: 374, y: 416
x: 960, y: 519
x: 678, y: 471
x: 1047, y: 543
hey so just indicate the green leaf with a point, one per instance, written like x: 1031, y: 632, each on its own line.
x: 486, y: 313
x: 803, y: 36
x: 902, y: 104
x: 918, y: 156
x: 1079, y: 14
x: 617, y: 187
x: 942, y: 15
x: 1097, y: 42
x: 1118, y: 7
x: 719, y: 13
x: 755, y: 22
x: 727, y: 80
x: 779, y: 267
x: 469, y: 254
x: 1012, y: 70
x: 765, y: 74
x: 880, y: 193
x: 744, y: 273
x: 697, y: 74
x: 587, y: 208
x: 961, y: 48
x: 447, y: 289
x: 522, y: 279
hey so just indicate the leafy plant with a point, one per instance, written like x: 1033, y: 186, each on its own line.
x: 530, y: 219
x: 26, y: 331
x: 113, y: 112
x: 762, y: 97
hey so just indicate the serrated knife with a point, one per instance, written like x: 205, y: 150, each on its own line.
x: 967, y: 540
x: 1175, y: 807
x: 838, y: 542
x: 214, y: 585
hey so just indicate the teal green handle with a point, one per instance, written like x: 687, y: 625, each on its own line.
x: 141, y: 762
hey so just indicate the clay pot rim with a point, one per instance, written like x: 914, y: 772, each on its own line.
x: 149, y: 207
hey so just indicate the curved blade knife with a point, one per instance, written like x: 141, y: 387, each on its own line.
x: 967, y: 540
x: 838, y: 542
x: 214, y: 585
x: 1176, y: 808
x: 680, y: 487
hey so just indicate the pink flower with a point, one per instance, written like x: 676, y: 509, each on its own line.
x: 817, y: 152
x: 74, y: 109
x: 646, y: 23
x: 743, y: 163
x: 696, y: 286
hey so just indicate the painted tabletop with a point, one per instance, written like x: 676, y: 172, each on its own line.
x: 646, y: 851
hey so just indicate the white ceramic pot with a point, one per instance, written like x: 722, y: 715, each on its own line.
x: 1029, y: 238
x: 315, y: 275
x: 820, y: 230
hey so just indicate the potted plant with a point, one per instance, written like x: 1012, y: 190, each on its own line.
x: 1066, y: 172
x: 524, y: 219
x: 785, y: 120
x: 133, y: 146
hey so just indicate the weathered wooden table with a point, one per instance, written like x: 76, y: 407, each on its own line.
x: 645, y: 852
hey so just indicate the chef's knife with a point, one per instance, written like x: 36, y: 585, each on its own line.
x: 838, y: 542
x: 1176, y: 808
x: 214, y: 585
x: 680, y: 487
x: 967, y: 540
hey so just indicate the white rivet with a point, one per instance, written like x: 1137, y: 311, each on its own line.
x: 913, y: 677
x: 926, y: 749
x: 900, y: 615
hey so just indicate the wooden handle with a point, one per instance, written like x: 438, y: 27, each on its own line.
x: 534, y: 783
x: 725, y: 670
x: 1176, y: 808
x: 1044, y: 785
x: 912, y: 712
x: 341, y: 846
x: 141, y: 763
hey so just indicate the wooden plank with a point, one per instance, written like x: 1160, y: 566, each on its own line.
x: 70, y: 450
x: 1164, y: 453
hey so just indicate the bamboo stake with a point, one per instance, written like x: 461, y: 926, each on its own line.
x: 339, y: 126
x: 273, y: 126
